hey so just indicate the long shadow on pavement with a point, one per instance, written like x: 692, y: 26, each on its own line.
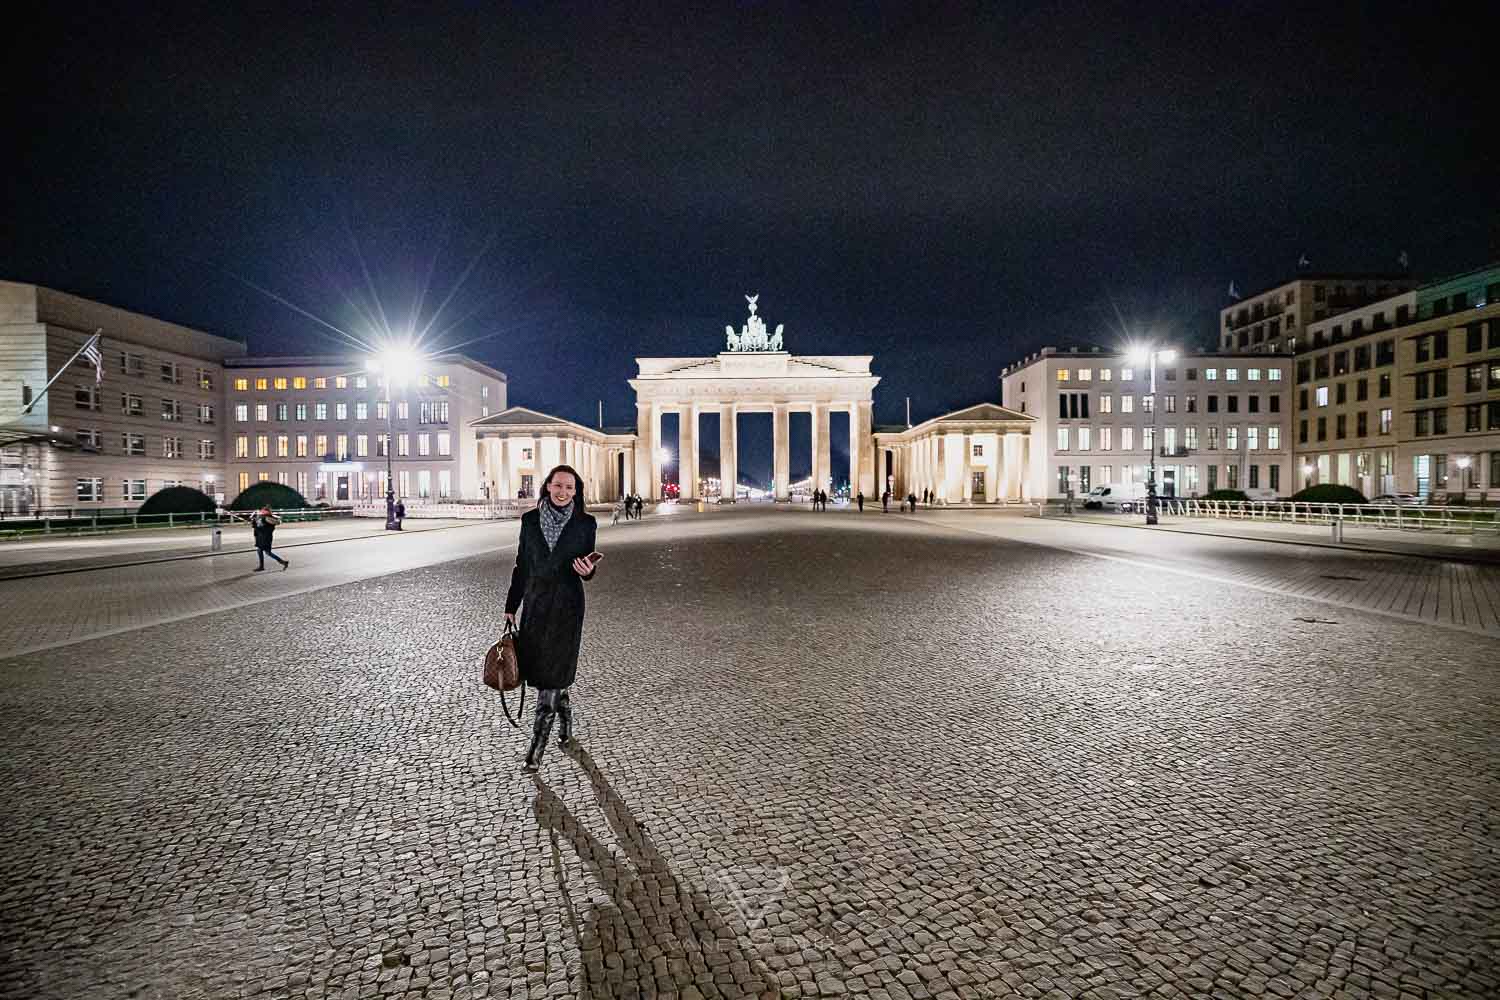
x: 655, y: 931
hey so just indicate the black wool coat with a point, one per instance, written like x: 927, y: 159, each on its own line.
x: 550, y: 594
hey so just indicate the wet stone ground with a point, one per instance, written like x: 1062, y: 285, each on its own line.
x: 818, y: 758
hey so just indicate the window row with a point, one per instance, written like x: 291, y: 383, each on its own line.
x: 132, y: 443
x: 282, y: 382
x: 1320, y: 395
x: 428, y: 411
x: 1176, y: 481
x: 334, y: 487
x: 1383, y: 424
x: 171, y: 372
x: 1167, y: 374
x: 1075, y: 405
x: 316, y: 445
x: 88, y: 397
x: 1104, y: 439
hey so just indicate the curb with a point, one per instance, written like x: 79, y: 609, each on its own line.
x: 222, y: 552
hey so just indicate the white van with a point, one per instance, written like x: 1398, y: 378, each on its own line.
x: 1122, y: 497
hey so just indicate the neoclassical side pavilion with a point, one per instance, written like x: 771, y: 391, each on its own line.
x: 516, y: 447
x: 753, y: 375
x: 975, y: 455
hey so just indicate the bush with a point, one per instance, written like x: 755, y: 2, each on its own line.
x: 1329, y: 493
x: 178, y: 500
x: 1226, y: 495
x: 273, y: 495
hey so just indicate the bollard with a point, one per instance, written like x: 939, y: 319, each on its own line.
x: 217, y: 541
x: 1338, y: 530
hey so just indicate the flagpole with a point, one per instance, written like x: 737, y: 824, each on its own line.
x: 76, y: 354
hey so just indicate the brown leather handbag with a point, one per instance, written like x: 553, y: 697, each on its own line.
x: 502, y: 671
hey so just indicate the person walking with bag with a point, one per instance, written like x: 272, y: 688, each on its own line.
x: 264, y: 524
x: 556, y: 554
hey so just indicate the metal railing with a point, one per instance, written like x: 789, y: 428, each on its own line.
x: 1403, y: 517
x: 76, y: 521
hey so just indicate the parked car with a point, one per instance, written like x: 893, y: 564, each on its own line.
x: 1261, y: 494
x: 1122, y: 497
x: 1397, y: 499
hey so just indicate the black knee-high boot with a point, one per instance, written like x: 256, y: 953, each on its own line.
x: 540, y: 730
x: 565, y: 720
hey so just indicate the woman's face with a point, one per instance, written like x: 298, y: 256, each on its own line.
x: 561, y: 489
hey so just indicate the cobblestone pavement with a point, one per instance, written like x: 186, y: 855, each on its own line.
x: 822, y: 757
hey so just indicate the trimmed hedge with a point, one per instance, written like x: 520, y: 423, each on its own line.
x: 1330, y: 493
x: 274, y: 495
x: 178, y: 500
x: 1226, y: 495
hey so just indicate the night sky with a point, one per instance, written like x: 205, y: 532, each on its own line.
x: 943, y: 187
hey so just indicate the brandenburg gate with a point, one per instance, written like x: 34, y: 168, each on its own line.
x: 753, y: 374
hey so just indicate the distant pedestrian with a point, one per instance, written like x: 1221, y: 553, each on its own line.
x: 555, y: 556
x: 860, y: 499
x: 911, y: 498
x: 619, y: 508
x: 400, y: 514
x: 263, y: 522
x: 885, y: 502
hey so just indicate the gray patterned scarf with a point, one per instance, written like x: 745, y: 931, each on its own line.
x: 553, y: 522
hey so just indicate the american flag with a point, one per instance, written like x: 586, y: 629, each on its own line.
x: 92, y: 352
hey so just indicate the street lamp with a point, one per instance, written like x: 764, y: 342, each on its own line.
x: 1148, y: 354
x: 391, y: 365
x: 1463, y: 462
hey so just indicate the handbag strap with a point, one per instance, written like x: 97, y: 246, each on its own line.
x: 510, y: 631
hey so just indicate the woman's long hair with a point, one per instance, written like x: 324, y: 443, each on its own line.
x: 578, y: 504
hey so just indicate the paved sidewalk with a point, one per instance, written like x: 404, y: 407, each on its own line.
x: 1479, y: 547
x: 32, y: 556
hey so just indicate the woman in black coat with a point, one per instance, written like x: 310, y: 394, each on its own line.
x: 552, y: 561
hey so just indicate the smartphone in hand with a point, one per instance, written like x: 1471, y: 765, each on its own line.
x: 594, y: 557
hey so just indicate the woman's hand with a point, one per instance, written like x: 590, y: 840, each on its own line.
x: 510, y: 617
x: 582, y: 566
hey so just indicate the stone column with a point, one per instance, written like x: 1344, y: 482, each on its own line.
x: 992, y: 473
x: 687, y: 460
x: 866, y: 412
x: 966, y: 469
x: 780, y: 432
x: 504, y: 488
x: 822, y: 466
x: 729, y: 472
x: 645, y: 448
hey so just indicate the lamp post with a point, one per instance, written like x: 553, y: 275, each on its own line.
x: 390, y: 365
x: 1150, y: 355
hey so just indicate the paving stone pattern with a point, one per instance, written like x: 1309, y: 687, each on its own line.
x: 819, y: 758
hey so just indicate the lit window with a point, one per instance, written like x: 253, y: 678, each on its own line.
x: 424, y: 444
x: 1322, y: 395
x: 1062, y: 439
x: 1127, y: 403
x: 1062, y: 374
x: 242, y: 412
x: 1273, y: 374
x: 1127, y: 438
x: 361, y: 411
x: 362, y: 445
x: 262, y: 411
x: 444, y: 444
x: 260, y: 383
x: 1211, y: 374
x: 91, y: 490
x: 320, y: 444
x: 444, y: 381
x: 1083, y: 439
x: 262, y: 446
x: 319, y: 382
x: 320, y: 411
x: 244, y: 481
x: 341, y: 411
x: 301, y: 445
x: 1253, y: 374
x: 361, y: 382
x: 343, y: 447
x: 283, y: 446
x: 1273, y: 438
x: 242, y: 446
x: 1127, y: 374
x: 280, y: 382
x: 340, y: 382
x: 1252, y: 438
x: 241, y: 385
x: 1085, y: 374
x: 403, y: 445
x: 299, y: 382
x: 1104, y: 443
x: 1231, y: 374
x: 1105, y: 375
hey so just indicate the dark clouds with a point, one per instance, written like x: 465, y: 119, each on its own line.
x: 941, y: 186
